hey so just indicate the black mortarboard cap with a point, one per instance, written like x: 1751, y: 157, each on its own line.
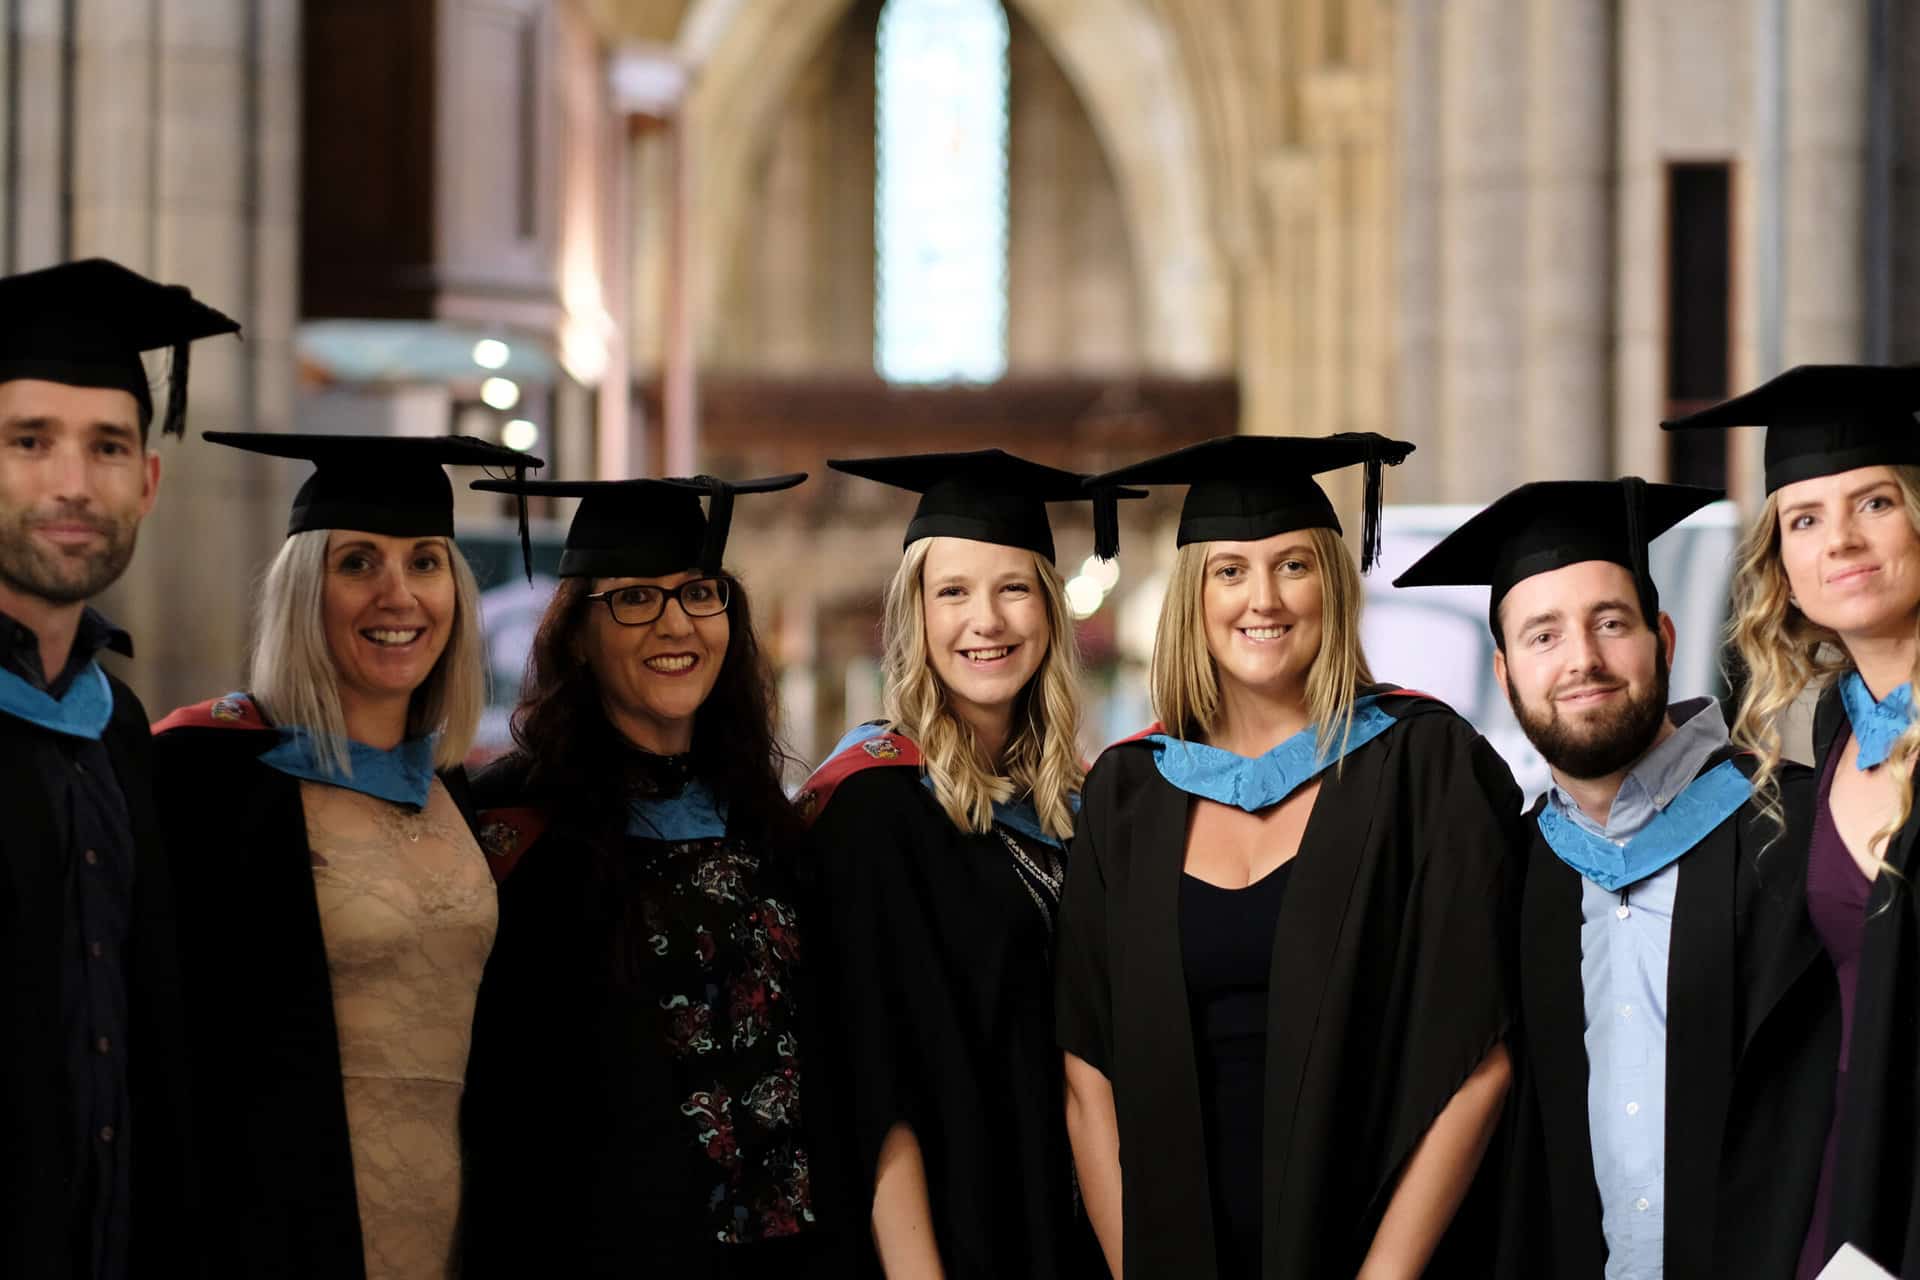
x: 381, y: 484
x: 85, y: 324
x: 1822, y: 419
x: 644, y: 528
x: 1551, y: 524
x: 1244, y: 488
x: 989, y: 495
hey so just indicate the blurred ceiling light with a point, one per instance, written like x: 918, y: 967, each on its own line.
x: 500, y: 393
x: 491, y: 353
x: 520, y: 433
x: 1104, y: 572
x: 583, y: 352
x: 648, y: 80
x: 1083, y: 596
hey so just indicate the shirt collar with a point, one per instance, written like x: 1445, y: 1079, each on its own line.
x: 20, y: 649
x: 1659, y: 775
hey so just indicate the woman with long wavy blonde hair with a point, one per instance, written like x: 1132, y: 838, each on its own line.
x: 941, y: 833
x: 1281, y: 987
x: 1827, y: 595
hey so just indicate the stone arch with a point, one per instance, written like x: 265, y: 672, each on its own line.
x: 1122, y: 60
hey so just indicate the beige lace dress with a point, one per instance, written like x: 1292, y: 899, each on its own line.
x: 408, y: 912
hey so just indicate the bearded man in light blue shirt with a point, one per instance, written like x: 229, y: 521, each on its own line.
x: 1678, y: 1018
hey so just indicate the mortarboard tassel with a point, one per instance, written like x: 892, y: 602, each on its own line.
x: 1380, y: 452
x: 1106, y: 522
x: 174, y: 421
x: 1635, y: 490
x: 1370, y: 515
x: 719, y: 517
x: 526, y: 536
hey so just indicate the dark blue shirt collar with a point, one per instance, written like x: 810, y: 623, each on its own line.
x: 20, y: 649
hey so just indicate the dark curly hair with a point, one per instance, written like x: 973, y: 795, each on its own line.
x: 577, y: 766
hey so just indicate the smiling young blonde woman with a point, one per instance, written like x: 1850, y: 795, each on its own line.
x: 1281, y: 986
x: 941, y: 835
x: 335, y: 908
x: 1827, y: 593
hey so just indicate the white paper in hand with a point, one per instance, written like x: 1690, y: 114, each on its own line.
x: 1851, y: 1264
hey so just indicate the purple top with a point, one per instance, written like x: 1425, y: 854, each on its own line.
x: 1837, y: 903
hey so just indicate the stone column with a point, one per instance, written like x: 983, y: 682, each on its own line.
x: 1826, y: 124
x: 1568, y: 335
x: 1416, y: 312
x: 1483, y: 225
x: 165, y: 135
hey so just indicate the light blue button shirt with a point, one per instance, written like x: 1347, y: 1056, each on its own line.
x: 1624, y: 946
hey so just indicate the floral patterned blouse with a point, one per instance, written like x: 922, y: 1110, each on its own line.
x: 721, y: 951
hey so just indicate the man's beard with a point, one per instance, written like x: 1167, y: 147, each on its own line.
x: 60, y: 577
x: 1606, y: 743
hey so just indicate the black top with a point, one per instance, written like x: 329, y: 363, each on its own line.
x: 1876, y: 1188
x: 641, y: 1040
x: 96, y: 1177
x: 1752, y: 1029
x: 1226, y: 945
x: 1387, y: 982
x: 938, y: 955
x: 97, y: 863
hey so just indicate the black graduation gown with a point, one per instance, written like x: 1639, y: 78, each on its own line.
x: 1388, y: 988
x: 1876, y: 1186
x: 36, y: 1155
x: 577, y: 1158
x: 938, y: 981
x: 271, y: 1114
x: 1753, y: 1032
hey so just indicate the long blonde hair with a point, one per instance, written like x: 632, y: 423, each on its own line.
x: 1042, y: 757
x: 293, y: 679
x: 1784, y: 651
x: 1184, y: 685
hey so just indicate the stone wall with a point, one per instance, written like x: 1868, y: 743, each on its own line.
x: 799, y: 292
x: 165, y: 135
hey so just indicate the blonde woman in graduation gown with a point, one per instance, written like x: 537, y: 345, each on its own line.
x: 1282, y: 979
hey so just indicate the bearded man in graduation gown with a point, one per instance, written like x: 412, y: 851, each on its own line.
x: 1679, y: 1021
x: 94, y: 1162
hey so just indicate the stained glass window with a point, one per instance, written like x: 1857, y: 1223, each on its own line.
x: 940, y: 196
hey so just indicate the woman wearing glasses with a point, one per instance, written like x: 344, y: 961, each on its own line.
x: 638, y: 1089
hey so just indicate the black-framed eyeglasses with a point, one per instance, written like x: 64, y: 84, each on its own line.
x: 637, y: 606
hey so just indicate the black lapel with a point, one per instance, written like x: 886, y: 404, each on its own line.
x: 1308, y: 932
x: 1778, y: 944
x: 29, y: 838
x: 1553, y: 1014
x: 1153, y: 1020
x: 1829, y: 719
x: 1701, y: 1003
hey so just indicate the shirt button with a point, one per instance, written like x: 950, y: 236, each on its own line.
x: 106, y: 1135
x: 1623, y: 911
x: 103, y: 1045
x: 1641, y: 1204
x: 1633, y: 1109
x: 95, y: 950
x: 92, y: 858
x: 1626, y: 1011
